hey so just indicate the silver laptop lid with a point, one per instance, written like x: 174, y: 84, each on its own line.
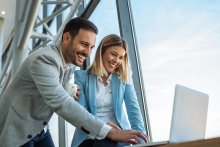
x: 189, y: 116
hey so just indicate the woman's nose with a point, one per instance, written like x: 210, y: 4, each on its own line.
x: 116, y: 60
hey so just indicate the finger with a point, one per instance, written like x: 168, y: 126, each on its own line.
x: 78, y: 88
x: 136, y: 139
x: 76, y: 98
x: 144, y: 137
x: 138, y: 134
x: 147, y: 137
x: 113, y: 125
x: 77, y: 93
x: 132, y: 141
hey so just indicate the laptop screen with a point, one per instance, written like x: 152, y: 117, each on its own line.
x: 189, y: 116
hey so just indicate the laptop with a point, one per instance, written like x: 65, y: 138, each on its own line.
x: 189, y: 117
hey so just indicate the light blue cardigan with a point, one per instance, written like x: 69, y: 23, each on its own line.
x: 120, y: 92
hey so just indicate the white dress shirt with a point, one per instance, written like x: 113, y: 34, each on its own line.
x: 105, y: 110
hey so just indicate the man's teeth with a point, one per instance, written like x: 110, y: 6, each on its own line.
x: 81, y: 56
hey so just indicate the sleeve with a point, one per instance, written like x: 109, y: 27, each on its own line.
x: 46, y: 75
x: 104, y: 131
x: 133, y: 109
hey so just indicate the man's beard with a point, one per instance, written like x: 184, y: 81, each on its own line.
x: 70, y: 52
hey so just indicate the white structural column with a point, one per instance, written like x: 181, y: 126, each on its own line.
x: 1, y: 43
x: 23, y: 28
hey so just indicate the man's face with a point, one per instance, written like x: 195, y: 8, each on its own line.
x: 79, y: 48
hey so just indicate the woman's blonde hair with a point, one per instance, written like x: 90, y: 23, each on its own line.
x: 97, y: 66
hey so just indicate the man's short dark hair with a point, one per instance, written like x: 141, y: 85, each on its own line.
x: 75, y: 24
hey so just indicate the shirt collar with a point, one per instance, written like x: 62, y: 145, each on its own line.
x: 108, y: 80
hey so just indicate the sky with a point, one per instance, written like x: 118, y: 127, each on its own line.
x: 178, y: 43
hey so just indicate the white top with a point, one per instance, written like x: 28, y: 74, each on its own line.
x: 105, y: 110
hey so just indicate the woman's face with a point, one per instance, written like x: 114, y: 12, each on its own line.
x: 112, y: 58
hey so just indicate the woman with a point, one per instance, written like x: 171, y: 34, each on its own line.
x: 104, y: 87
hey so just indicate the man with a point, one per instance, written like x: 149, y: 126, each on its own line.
x: 36, y: 91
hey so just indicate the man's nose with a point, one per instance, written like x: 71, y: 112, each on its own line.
x: 88, y: 51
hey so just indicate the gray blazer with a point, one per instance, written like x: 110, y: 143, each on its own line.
x: 34, y: 94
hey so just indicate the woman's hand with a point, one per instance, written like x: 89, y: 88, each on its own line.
x: 77, y: 94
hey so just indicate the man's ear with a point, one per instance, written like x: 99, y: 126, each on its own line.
x: 66, y: 37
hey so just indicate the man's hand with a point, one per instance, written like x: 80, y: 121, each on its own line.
x: 129, y: 136
x: 113, y: 125
x: 77, y: 93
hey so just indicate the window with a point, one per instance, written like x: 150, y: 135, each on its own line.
x: 106, y: 19
x: 178, y: 43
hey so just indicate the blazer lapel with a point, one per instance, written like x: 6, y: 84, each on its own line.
x: 92, y: 93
